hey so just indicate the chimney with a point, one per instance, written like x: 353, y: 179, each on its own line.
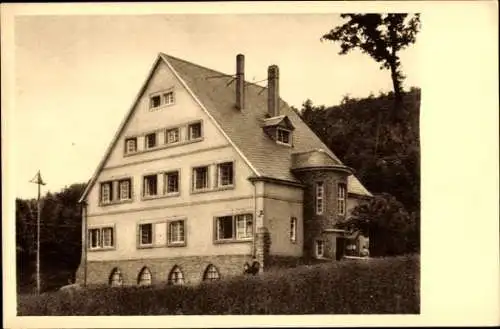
x: 240, y: 81
x: 273, y: 91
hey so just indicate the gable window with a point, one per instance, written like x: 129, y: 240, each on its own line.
x: 283, y: 136
x: 125, y: 188
x: 116, y: 278
x: 320, y: 248
x: 293, y: 229
x: 211, y: 273
x: 150, y: 185
x: 195, y: 130
x: 225, y: 174
x: 101, y: 238
x: 150, y: 140
x: 146, y: 234
x: 320, y: 191
x: 106, y: 192
x: 144, y: 278
x: 239, y: 227
x: 168, y: 98
x: 176, y: 233
x: 172, y: 136
x: 200, y: 178
x: 341, y: 199
x: 130, y: 145
x: 155, y: 101
x: 176, y: 277
x: 171, y: 184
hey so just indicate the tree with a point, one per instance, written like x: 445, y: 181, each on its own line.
x: 386, y: 222
x: 381, y: 36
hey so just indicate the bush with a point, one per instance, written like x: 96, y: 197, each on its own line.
x: 371, y: 286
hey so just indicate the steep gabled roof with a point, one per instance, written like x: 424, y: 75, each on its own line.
x: 215, y: 93
x: 244, y: 127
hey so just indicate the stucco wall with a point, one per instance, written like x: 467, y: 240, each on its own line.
x: 280, y: 204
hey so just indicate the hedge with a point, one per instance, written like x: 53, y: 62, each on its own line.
x: 371, y: 286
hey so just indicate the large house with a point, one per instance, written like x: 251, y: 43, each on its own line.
x: 207, y: 174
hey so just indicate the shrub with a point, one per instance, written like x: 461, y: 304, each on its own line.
x: 369, y: 286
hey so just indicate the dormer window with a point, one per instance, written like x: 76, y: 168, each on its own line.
x: 160, y: 99
x: 283, y: 136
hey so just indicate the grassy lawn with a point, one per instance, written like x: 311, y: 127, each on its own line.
x: 373, y: 286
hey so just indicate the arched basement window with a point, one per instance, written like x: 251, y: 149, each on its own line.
x: 211, y: 273
x: 144, y: 278
x: 116, y: 278
x: 176, y: 277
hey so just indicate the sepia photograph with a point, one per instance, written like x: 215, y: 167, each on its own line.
x: 178, y: 163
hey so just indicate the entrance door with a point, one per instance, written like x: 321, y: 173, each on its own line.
x: 340, y: 247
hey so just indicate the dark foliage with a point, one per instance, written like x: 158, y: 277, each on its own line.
x: 60, y: 238
x: 372, y: 286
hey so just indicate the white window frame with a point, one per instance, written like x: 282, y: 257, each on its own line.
x: 176, y: 276
x: 195, y: 178
x: 293, y: 229
x: 248, y: 223
x: 109, y: 193
x: 168, y: 98
x: 320, y: 198
x: 190, y: 131
x: 172, y: 132
x: 166, y: 185
x: 129, y: 189
x: 220, y: 178
x: 280, y: 140
x: 100, y: 238
x: 341, y: 198
x: 320, y: 248
x: 146, y: 190
x: 145, y: 277
x: 128, y: 149
x: 172, y: 230
x: 152, y: 234
x: 209, y: 271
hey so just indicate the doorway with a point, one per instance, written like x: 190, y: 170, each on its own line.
x: 339, y: 247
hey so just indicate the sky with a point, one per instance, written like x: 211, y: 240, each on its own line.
x: 77, y: 76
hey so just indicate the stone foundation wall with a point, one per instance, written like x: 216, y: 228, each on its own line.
x: 193, y: 268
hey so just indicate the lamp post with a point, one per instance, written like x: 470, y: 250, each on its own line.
x: 38, y: 180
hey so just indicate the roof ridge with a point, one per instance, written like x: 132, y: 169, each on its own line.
x: 212, y: 70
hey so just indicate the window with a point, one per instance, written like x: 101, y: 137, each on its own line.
x: 145, y: 234
x: 225, y: 174
x: 200, y: 178
x: 171, y: 184
x: 211, y: 273
x: 144, y: 278
x: 244, y: 226
x: 130, y: 145
x: 195, y: 130
x: 106, y: 192
x: 101, y: 238
x: 176, y: 232
x: 155, y: 101
x: 293, y: 229
x: 150, y: 185
x: 107, y: 237
x: 319, y: 198
x: 116, y: 279
x: 341, y: 200
x: 125, y: 188
x: 283, y: 136
x: 320, y: 248
x: 168, y: 98
x: 176, y: 277
x: 150, y: 140
x: 239, y: 227
x: 172, y: 136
